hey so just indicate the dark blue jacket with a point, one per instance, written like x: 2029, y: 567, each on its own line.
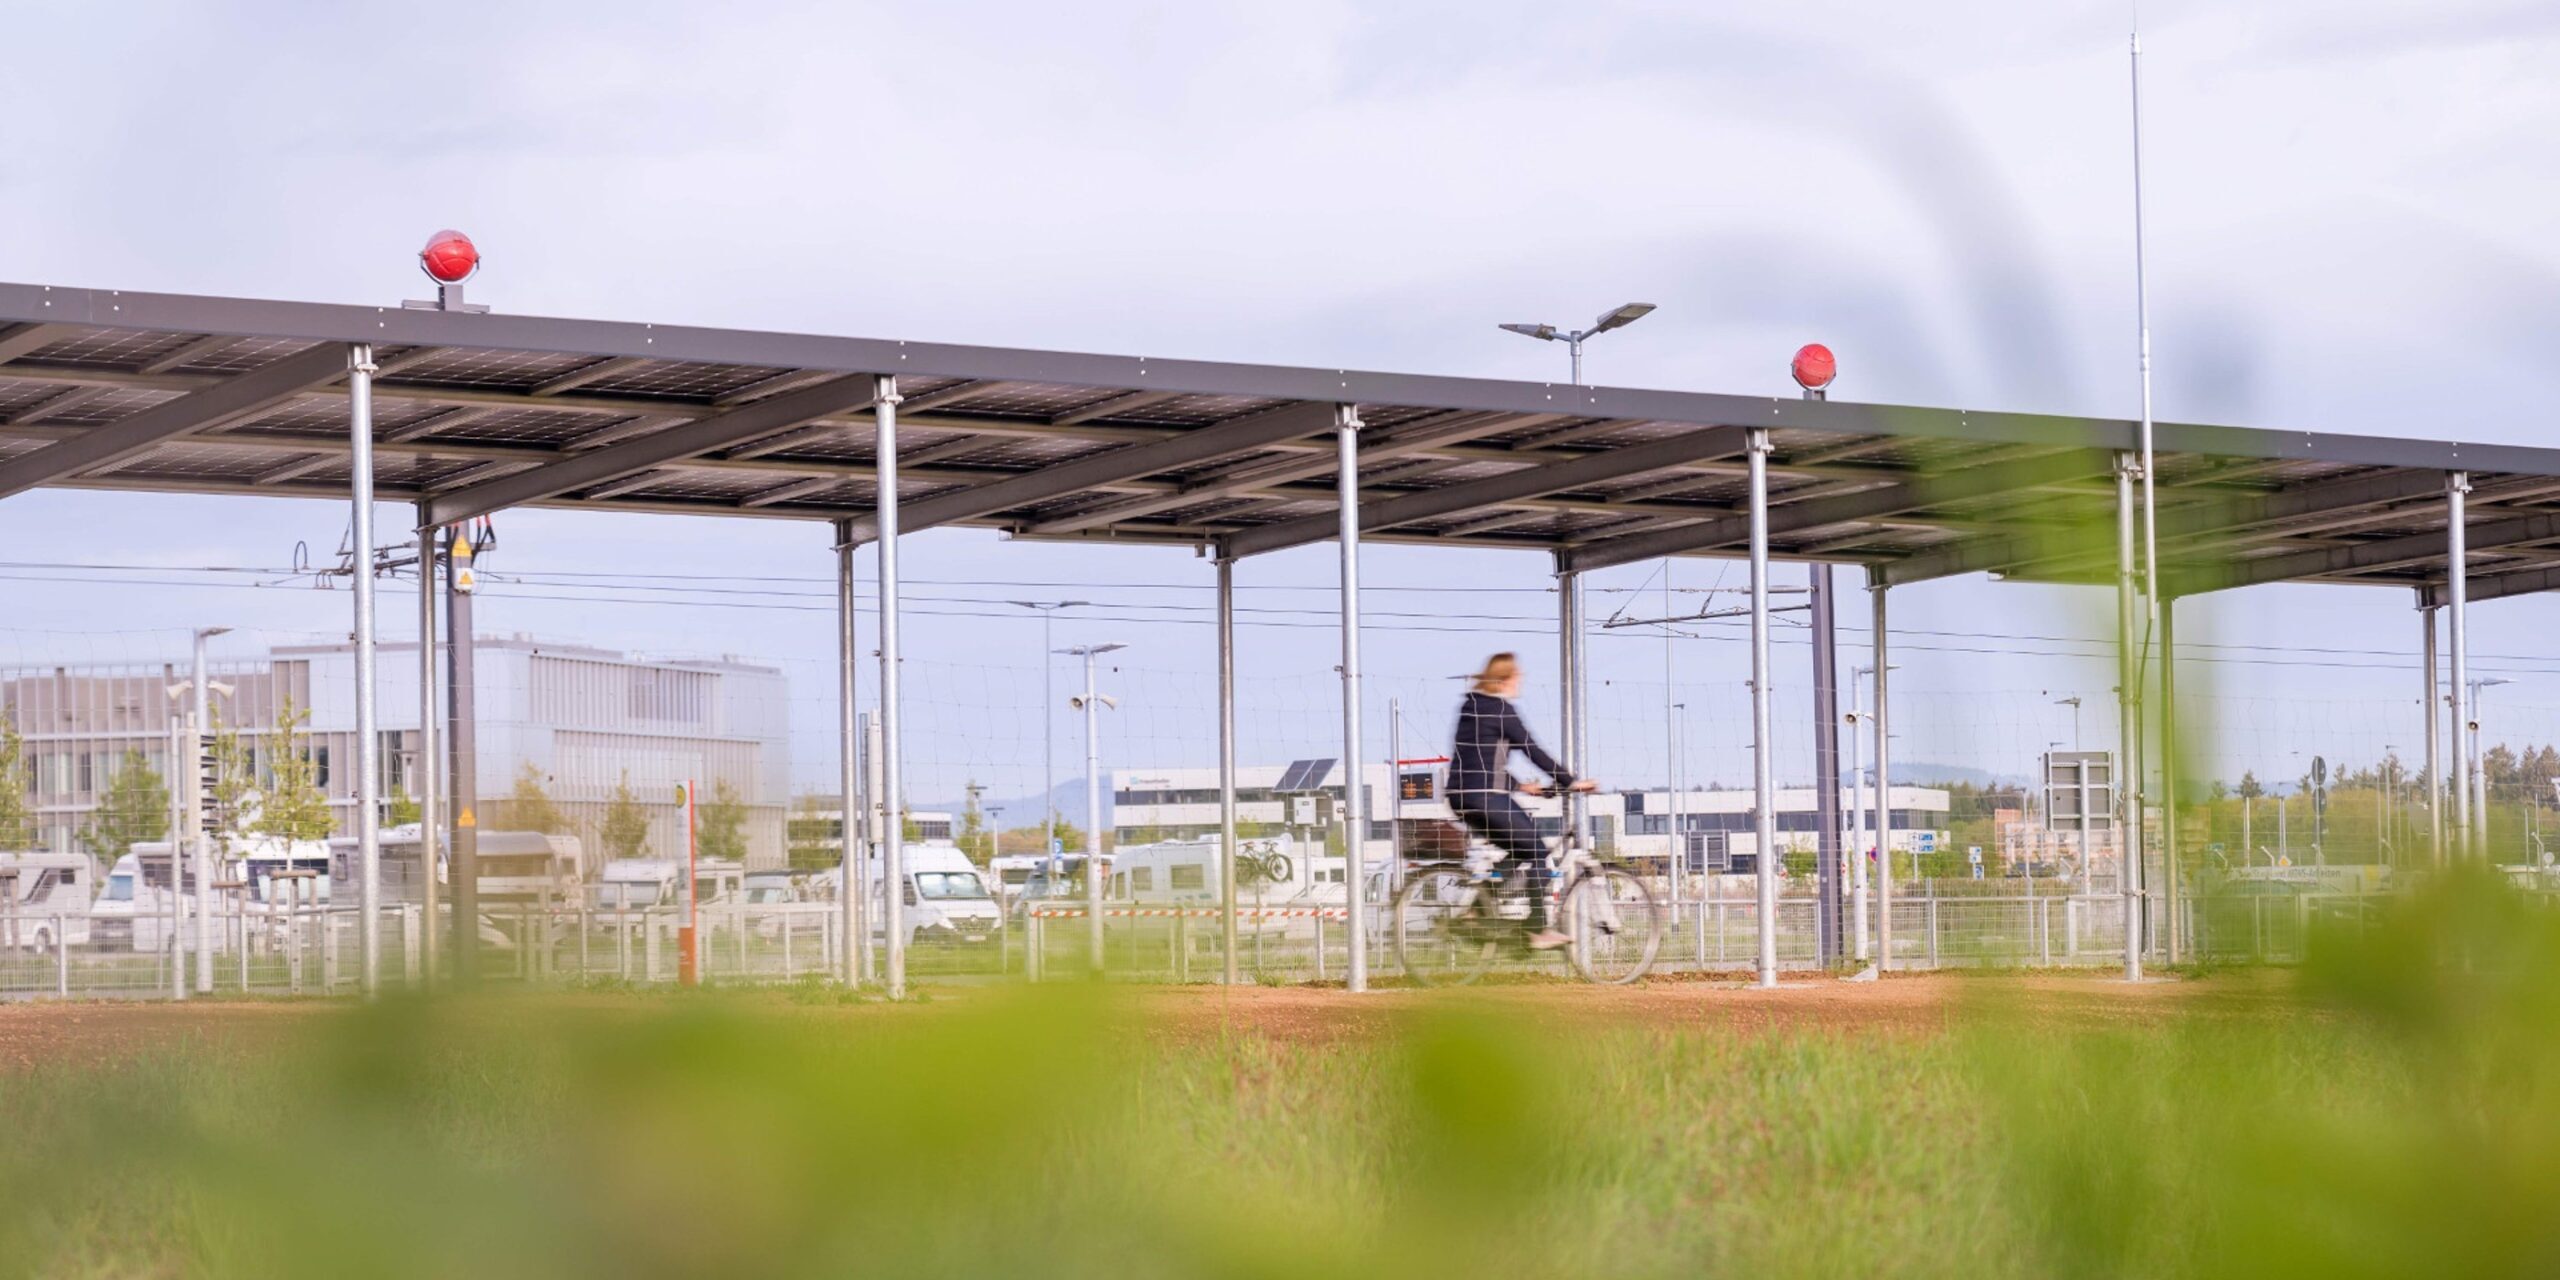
x: 1489, y: 730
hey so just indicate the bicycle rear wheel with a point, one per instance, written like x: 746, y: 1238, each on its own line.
x: 1445, y: 928
x: 1615, y: 924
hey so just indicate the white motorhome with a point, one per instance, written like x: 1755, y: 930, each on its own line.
x: 45, y: 898
x: 641, y: 883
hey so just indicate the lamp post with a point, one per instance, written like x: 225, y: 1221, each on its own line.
x: 1091, y: 703
x: 1048, y: 610
x: 2479, y: 781
x: 1574, y: 338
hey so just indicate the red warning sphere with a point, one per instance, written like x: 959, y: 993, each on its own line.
x: 1814, y: 367
x: 449, y: 257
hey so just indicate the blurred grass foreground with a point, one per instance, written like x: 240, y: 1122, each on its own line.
x: 2392, y: 1113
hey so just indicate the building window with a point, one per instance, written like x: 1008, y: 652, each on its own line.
x: 1189, y: 875
x: 1142, y: 879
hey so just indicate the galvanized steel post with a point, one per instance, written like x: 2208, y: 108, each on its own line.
x: 892, y: 839
x: 1355, y: 934
x: 360, y: 371
x: 430, y: 763
x: 2127, y: 775
x: 1884, y: 796
x: 2457, y: 492
x: 1227, y: 850
x: 1763, y: 787
x: 854, y: 962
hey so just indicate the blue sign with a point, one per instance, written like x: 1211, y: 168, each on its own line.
x: 1928, y: 841
x: 1056, y: 846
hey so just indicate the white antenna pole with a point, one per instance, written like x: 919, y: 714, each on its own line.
x: 2142, y: 315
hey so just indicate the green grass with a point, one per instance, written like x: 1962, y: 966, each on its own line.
x: 2398, y: 1118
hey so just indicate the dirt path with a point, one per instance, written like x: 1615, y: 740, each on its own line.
x: 98, y: 1031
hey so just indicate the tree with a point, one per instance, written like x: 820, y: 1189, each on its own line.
x: 134, y: 809
x: 528, y: 806
x: 811, y: 837
x: 17, y: 817
x: 404, y: 810
x: 293, y: 805
x: 626, y: 825
x: 234, y: 792
x: 720, y: 827
x: 2250, y: 788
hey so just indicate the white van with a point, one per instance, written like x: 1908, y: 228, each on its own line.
x: 946, y: 899
x: 638, y: 884
x: 44, y: 899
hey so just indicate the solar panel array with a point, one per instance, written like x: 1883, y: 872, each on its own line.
x: 1443, y: 461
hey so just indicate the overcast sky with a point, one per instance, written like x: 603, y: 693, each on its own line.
x: 2352, y: 229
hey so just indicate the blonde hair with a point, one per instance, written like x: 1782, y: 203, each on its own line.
x: 1499, y: 668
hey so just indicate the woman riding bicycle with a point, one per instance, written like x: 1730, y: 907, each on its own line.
x: 1480, y: 786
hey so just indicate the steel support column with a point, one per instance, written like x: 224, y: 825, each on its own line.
x: 1569, y: 694
x: 360, y: 370
x: 2169, y: 774
x: 430, y: 760
x: 462, y: 776
x: 1884, y: 794
x: 2427, y: 712
x: 1763, y: 786
x: 1355, y: 827
x: 2128, y: 773
x: 855, y: 962
x: 2457, y: 492
x: 892, y: 793
x: 1227, y: 851
x: 1826, y: 768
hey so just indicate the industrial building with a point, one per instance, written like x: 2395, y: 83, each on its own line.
x: 1150, y: 804
x: 588, y: 721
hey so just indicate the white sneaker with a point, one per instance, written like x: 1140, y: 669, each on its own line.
x: 1547, y: 940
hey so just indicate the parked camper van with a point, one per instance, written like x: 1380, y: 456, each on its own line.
x: 44, y: 900
x: 950, y: 898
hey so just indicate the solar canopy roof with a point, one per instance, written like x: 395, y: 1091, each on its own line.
x: 479, y: 412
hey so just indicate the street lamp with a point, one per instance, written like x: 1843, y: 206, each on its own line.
x: 2477, y: 765
x: 2072, y: 702
x: 1574, y: 338
x: 1091, y: 703
x: 1048, y: 610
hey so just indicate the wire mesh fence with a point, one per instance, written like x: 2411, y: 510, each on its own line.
x: 317, y: 951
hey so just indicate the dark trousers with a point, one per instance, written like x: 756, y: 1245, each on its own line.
x: 1500, y: 819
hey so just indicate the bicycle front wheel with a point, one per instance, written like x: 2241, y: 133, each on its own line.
x: 1444, y: 927
x: 1615, y: 925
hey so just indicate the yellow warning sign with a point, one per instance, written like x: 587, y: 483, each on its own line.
x: 466, y: 820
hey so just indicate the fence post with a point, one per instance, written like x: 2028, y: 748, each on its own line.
x: 1933, y: 930
x: 1035, y: 942
x: 1181, y: 951
x: 61, y: 959
x: 1320, y: 976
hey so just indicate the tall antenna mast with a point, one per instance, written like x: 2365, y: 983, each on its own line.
x: 2142, y: 317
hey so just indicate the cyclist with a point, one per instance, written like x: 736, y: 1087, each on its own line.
x: 1480, y: 786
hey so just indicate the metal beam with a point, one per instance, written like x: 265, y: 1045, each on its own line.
x: 2000, y: 554
x: 244, y: 393
x: 1109, y: 405
x: 1513, y: 486
x: 587, y: 373
x: 18, y: 340
x: 785, y: 493
x: 1201, y: 444
x: 2496, y: 586
x: 674, y: 444
x: 2368, y: 557
x: 1403, y: 440
x: 1967, y: 485
x: 295, y: 469
x: 188, y: 352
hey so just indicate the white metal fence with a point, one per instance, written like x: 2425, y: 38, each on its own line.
x: 314, y: 951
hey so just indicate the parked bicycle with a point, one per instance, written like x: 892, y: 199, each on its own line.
x: 1451, y: 921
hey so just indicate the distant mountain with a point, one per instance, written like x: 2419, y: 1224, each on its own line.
x: 1922, y: 774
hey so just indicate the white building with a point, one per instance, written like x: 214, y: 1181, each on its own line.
x: 588, y: 721
x: 1178, y: 804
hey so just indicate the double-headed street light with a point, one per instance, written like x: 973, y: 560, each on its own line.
x: 1573, y: 338
x: 1091, y: 702
x: 1048, y: 610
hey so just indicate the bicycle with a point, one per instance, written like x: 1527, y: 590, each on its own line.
x: 1450, y: 923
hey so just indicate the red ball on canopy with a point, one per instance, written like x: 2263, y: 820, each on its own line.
x: 1815, y: 367
x: 449, y: 257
